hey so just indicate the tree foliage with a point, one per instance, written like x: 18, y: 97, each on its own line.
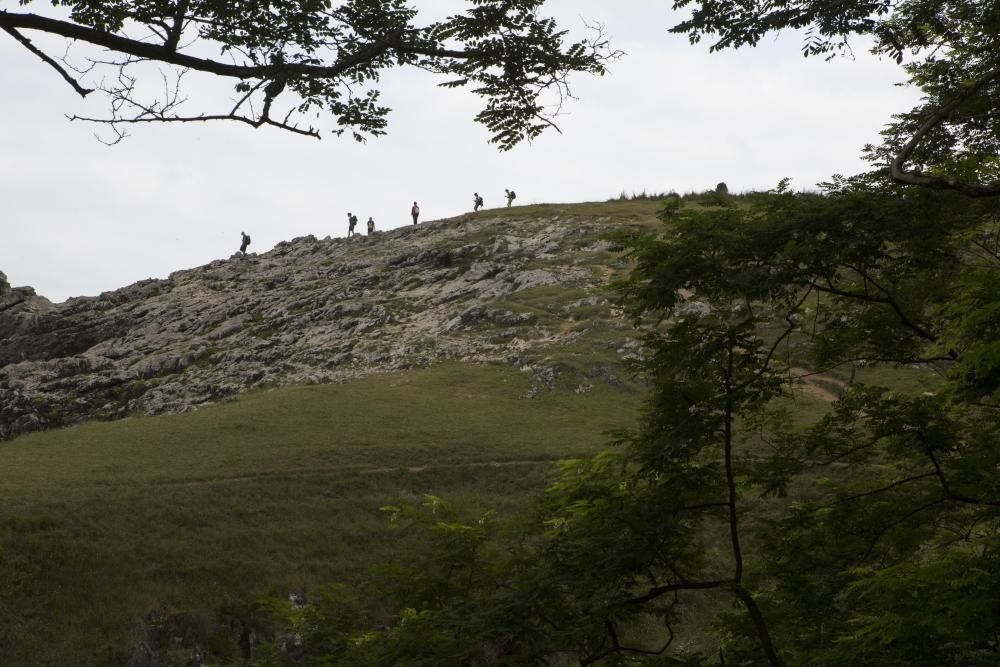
x: 729, y: 528
x: 950, y: 49
x: 291, y: 61
x: 892, y: 489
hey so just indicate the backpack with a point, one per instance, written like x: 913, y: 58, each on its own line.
x: 479, y: 200
x: 512, y: 195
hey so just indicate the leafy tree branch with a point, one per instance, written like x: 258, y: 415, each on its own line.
x: 321, y: 57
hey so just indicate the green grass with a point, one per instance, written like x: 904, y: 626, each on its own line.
x: 106, y: 524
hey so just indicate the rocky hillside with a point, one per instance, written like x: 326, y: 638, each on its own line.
x: 526, y: 287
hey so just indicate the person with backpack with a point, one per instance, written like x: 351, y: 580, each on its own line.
x: 371, y: 225
x: 352, y: 220
x: 415, y: 212
x: 511, y: 196
x: 477, y: 201
x: 245, y: 242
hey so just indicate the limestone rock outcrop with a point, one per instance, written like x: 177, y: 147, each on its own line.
x: 308, y: 311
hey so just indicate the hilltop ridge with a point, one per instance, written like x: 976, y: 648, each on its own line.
x: 522, y: 286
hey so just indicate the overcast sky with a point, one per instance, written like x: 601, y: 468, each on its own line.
x: 79, y: 217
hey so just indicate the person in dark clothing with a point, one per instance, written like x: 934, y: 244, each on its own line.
x: 245, y: 242
x: 477, y: 201
x: 510, y: 197
x: 352, y: 220
x: 415, y: 212
x: 371, y: 226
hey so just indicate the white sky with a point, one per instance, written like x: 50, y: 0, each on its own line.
x: 78, y: 217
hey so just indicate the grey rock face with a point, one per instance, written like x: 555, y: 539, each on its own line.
x: 309, y: 311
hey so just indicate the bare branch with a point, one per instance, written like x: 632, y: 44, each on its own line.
x: 256, y: 123
x: 48, y: 60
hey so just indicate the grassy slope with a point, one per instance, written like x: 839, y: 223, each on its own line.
x: 105, y: 523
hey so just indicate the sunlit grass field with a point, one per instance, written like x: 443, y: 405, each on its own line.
x: 106, y: 525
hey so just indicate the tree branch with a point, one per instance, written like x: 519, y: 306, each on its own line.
x: 758, y: 621
x: 256, y: 123
x: 734, y: 532
x: 174, y: 36
x: 774, y: 346
x: 885, y: 529
x: 857, y: 448
x: 658, y: 591
x: 165, y: 53
x: 946, y: 487
x: 617, y: 647
x: 883, y: 489
x: 903, y: 319
x: 52, y: 63
x: 897, y: 168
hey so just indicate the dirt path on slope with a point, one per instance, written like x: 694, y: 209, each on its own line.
x: 813, y: 385
x: 358, y: 469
